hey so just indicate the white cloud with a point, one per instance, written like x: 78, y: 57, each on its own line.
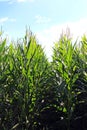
x: 2, y: 20
x: 12, y: 20
x: 13, y: 1
x: 48, y: 36
x: 41, y: 19
x: 6, y: 19
x: 21, y: 0
x: 4, y: 0
x: 25, y: 0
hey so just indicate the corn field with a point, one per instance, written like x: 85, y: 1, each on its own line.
x: 36, y: 94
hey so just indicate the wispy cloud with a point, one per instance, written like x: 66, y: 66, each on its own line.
x: 2, y: 20
x: 5, y: 0
x: 41, y: 19
x: 12, y: 20
x: 18, y: 1
x: 25, y: 0
x: 7, y: 19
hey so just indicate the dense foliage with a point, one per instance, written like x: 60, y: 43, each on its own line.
x: 36, y: 94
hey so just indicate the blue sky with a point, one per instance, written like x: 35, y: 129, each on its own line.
x: 46, y: 18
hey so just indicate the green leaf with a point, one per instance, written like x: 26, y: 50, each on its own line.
x: 2, y: 46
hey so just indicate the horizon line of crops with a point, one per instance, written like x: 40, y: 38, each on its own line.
x: 36, y: 94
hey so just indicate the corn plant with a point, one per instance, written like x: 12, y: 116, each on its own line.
x: 23, y: 75
x: 36, y: 94
x: 68, y: 68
